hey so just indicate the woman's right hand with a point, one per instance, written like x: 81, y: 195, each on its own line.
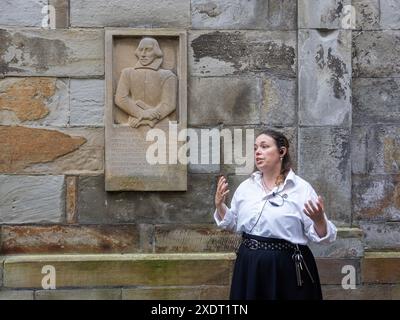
x: 220, y: 196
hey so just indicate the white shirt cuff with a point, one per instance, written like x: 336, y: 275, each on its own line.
x: 226, y: 221
x: 330, y: 233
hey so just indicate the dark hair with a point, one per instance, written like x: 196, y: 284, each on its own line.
x: 280, y: 141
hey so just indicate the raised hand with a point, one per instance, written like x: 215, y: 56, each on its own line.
x: 220, y: 196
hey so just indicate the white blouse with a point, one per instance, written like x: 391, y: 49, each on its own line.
x: 250, y: 203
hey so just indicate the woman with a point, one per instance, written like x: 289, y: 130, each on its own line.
x: 278, y: 213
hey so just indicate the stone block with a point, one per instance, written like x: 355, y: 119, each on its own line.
x: 328, y: 14
x: 79, y: 294
x: 31, y: 199
x: 381, y: 235
x: 380, y: 267
x: 16, y: 294
x: 359, y: 150
x: 34, y: 101
x: 390, y: 18
x: 70, y: 239
x: 219, y: 53
x: 162, y: 293
x: 130, y: 13
x: 341, y: 248
x: 376, y: 101
x: 324, y: 63
x: 330, y: 269
x: 215, y: 293
x: 376, y: 54
x: 376, y: 197
x: 87, y: 102
x: 77, y: 271
x: 22, y: 13
x: 280, y: 102
x: 367, y: 14
x: 361, y: 292
x: 230, y: 101
x: 253, y: 14
x: 62, y: 13
x: 54, y: 53
x: 329, y: 148
x: 193, y: 206
x: 194, y: 238
x: 71, y: 199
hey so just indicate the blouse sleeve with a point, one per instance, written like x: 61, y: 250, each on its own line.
x: 230, y: 219
x: 309, y: 229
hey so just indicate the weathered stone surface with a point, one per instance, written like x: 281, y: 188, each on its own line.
x: 71, y: 199
x: 16, y: 295
x: 224, y: 100
x: 367, y: 14
x: 330, y: 270
x: 79, y: 294
x: 361, y: 292
x: 57, y: 53
x: 381, y: 235
x: 1, y: 271
x: 88, y: 159
x: 69, y: 239
x: 23, y: 13
x: 253, y: 14
x: 341, y: 248
x: 130, y: 13
x: 23, y: 147
x: 376, y: 101
x: 62, y: 12
x: 36, y: 100
x: 215, y: 293
x: 162, y: 293
x: 381, y: 267
x: 376, y: 149
x: 194, y: 238
x: 204, y: 161
x: 121, y: 270
x: 376, y: 197
x: 146, y: 237
x: 218, y: 53
x: 330, y: 149
x: 87, y: 102
x: 390, y: 18
x: 279, y: 107
x: 324, y: 63
x: 376, y: 54
x: 96, y: 206
x: 31, y: 199
x: 328, y: 14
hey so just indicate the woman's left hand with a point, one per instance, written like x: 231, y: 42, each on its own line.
x: 315, y: 211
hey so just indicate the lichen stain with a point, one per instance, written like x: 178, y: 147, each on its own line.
x: 338, y: 69
x: 244, y: 55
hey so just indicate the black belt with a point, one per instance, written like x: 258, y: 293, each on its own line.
x: 281, y: 245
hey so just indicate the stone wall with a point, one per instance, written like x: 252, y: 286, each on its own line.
x: 293, y: 65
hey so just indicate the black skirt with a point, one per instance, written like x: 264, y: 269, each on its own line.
x: 270, y: 273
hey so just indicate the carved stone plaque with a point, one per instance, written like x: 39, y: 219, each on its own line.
x: 146, y: 96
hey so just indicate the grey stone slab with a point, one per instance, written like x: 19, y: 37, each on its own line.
x: 31, y: 199
x: 367, y: 14
x: 390, y: 14
x: 376, y: 101
x: 381, y: 235
x: 359, y: 149
x: 22, y: 13
x: 226, y: 100
x: 192, y: 206
x: 87, y: 102
x: 324, y: 77
x: 61, y: 8
x: 218, y: 53
x: 376, y: 54
x: 79, y: 294
x: 130, y: 13
x: 324, y: 161
x: 16, y: 295
x: 376, y: 197
x: 56, y: 53
x: 280, y: 102
x: 237, y: 14
x: 341, y: 248
x: 327, y: 14
x: 34, y: 101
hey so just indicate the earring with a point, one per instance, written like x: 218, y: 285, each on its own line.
x: 281, y: 158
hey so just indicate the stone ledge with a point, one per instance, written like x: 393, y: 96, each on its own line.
x: 116, y: 270
x: 381, y: 267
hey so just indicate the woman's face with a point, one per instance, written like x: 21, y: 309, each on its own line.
x: 266, y: 153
